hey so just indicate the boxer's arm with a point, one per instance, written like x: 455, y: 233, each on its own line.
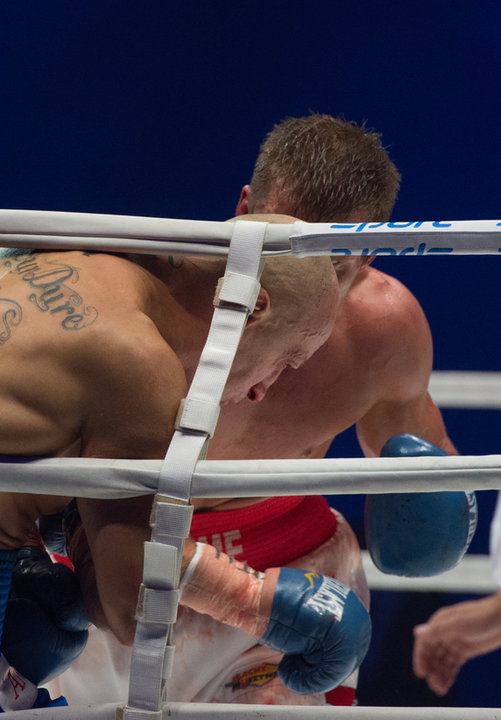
x: 400, y: 376
x: 417, y: 415
x: 131, y: 412
x: 321, y: 626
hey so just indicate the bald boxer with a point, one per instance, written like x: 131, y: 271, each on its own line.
x: 97, y: 352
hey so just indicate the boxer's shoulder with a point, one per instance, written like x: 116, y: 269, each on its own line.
x: 385, y: 320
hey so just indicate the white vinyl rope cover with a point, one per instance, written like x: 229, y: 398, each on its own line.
x: 124, y: 233
x: 467, y: 390
x: 473, y: 575
x: 215, y: 711
x: 105, y: 478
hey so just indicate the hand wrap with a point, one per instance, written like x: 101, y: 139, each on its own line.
x: 319, y: 624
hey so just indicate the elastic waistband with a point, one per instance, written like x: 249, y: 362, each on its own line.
x: 271, y: 533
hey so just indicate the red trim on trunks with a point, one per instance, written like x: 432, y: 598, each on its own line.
x: 271, y: 533
x: 341, y: 695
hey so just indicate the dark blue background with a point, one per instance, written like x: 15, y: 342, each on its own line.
x: 158, y: 108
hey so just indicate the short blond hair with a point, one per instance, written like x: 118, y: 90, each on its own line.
x: 321, y: 168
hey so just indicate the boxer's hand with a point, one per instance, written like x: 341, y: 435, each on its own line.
x: 319, y: 624
x: 52, y: 532
x: 45, y: 626
x: 18, y: 693
x: 418, y: 534
x: 57, y: 530
x: 51, y: 585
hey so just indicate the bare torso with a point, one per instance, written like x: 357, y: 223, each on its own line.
x: 372, y: 373
x: 75, y: 329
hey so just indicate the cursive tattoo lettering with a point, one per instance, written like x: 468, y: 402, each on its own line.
x: 51, y: 292
x: 10, y: 316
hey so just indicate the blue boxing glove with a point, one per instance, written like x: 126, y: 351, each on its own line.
x: 321, y: 626
x: 52, y: 586
x: 45, y: 628
x: 42, y: 699
x: 57, y: 530
x: 52, y: 531
x: 418, y: 534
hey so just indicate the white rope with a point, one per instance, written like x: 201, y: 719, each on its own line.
x: 331, y: 476
x: 473, y: 575
x: 44, y: 229
x: 216, y: 711
x: 109, y: 478
x: 185, y: 711
x: 74, y: 712
x: 481, y: 390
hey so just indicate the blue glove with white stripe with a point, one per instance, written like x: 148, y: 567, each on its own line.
x: 321, y: 626
x: 316, y: 622
x: 418, y: 534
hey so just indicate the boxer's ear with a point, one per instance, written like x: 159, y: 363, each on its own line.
x: 262, y: 308
x: 243, y: 202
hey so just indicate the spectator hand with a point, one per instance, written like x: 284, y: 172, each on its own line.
x: 453, y: 635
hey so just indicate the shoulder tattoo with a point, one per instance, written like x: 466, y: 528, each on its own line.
x: 11, y: 315
x: 49, y: 283
x: 176, y: 261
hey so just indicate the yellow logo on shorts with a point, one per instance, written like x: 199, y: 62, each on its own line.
x: 256, y: 677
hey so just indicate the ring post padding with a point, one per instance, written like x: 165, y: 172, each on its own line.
x: 153, y: 651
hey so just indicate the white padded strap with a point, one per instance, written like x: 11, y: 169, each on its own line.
x: 169, y: 518
x: 152, y: 654
x: 158, y: 559
x: 128, y: 713
x: 157, y: 606
x: 237, y: 289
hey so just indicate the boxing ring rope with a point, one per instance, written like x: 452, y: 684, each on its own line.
x: 482, y: 390
x: 113, y: 478
x: 216, y: 711
x: 473, y: 576
x: 33, y: 229
x: 145, y: 235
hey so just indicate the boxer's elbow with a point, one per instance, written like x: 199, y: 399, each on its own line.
x: 116, y: 616
x: 121, y: 621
